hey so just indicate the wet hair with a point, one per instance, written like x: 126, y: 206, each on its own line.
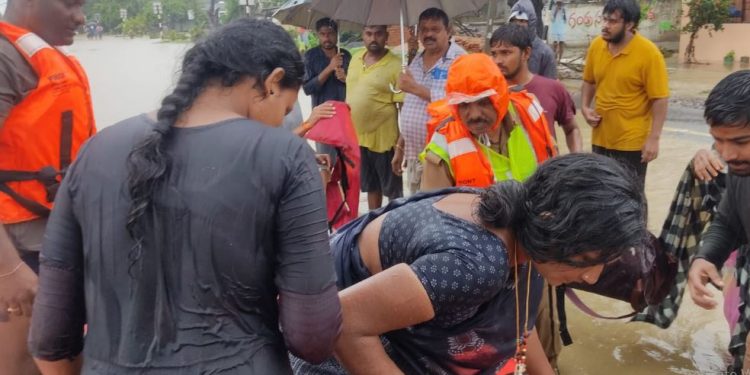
x: 512, y: 34
x: 244, y: 48
x: 435, y: 14
x: 326, y: 22
x: 629, y: 9
x: 728, y: 104
x: 379, y: 27
x: 577, y: 204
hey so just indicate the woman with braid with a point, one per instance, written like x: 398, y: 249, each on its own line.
x: 194, y: 242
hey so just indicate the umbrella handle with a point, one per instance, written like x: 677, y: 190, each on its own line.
x: 394, y: 90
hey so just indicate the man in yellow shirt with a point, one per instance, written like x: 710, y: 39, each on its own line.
x: 626, y: 75
x: 374, y: 114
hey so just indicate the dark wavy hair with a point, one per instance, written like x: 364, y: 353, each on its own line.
x: 728, y: 104
x: 512, y: 35
x: 572, y: 205
x: 326, y: 22
x: 435, y: 14
x: 629, y: 9
x: 241, y: 49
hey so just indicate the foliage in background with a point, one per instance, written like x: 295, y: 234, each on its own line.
x: 704, y: 14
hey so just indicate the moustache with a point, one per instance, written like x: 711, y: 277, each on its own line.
x: 738, y: 163
x: 478, y: 121
x: 429, y: 40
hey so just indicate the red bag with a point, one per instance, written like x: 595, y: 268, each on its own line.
x: 342, y: 192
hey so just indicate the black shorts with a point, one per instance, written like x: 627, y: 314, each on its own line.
x: 376, y: 174
x: 629, y: 159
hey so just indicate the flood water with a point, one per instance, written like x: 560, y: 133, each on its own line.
x: 129, y: 77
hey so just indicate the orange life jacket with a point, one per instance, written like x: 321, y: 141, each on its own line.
x: 535, y: 123
x: 42, y: 134
x: 469, y: 165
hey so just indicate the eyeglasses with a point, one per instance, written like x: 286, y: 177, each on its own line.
x: 611, y: 20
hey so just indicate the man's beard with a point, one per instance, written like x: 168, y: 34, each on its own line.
x: 740, y: 172
x: 617, y: 38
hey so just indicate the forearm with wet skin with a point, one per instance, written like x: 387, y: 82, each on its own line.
x: 587, y: 94
x: 371, y: 309
x: 536, y: 359
x: 9, y: 258
x: 659, y: 116
x: 573, y: 136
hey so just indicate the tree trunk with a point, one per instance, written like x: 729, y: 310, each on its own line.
x: 690, y: 50
x: 213, y: 15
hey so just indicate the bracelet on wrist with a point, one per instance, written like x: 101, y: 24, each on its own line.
x: 15, y: 269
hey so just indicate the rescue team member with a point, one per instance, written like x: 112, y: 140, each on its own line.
x: 45, y: 116
x: 490, y: 135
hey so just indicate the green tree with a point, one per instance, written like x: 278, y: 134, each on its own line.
x: 704, y: 14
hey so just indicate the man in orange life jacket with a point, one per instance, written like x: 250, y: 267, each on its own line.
x: 45, y: 116
x: 481, y: 133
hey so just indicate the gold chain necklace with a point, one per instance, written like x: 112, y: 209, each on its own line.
x: 521, y: 339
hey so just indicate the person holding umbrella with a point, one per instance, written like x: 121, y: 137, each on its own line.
x: 325, y: 70
x: 423, y: 82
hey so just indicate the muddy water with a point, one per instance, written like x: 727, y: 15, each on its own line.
x: 131, y: 76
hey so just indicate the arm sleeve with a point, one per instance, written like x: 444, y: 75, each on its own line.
x: 59, y: 307
x: 457, y: 280
x: 588, y: 67
x: 723, y: 234
x: 655, y: 75
x: 566, y: 111
x: 312, y: 86
x: 309, y: 308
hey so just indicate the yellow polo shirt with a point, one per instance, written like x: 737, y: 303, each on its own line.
x: 625, y: 86
x: 372, y: 103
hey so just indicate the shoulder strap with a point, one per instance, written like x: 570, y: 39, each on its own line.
x: 583, y: 307
x: 28, y: 204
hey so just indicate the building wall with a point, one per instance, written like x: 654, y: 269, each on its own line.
x: 712, y: 48
x: 584, y: 23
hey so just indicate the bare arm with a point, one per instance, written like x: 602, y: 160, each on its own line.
x: 587, y: 94
x: 536, y: 361
x: 435, y: 174
x: 371, y: 309
x: 63, y: 367
x: 573, y: 136
x: 588, y: 90
x: 650, y: 150
x: 18, y: 285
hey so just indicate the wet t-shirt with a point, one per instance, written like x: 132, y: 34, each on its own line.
x: 240, y: 218
x: 465, y: 270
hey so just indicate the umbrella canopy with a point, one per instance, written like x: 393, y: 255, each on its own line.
x: 387, y: 12
x: 299, y: 13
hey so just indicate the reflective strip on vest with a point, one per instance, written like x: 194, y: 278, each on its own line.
x: 31, y: 44
x: 65, y: 50
x: 439, y: 140
x: 460, y: 147
x: 535, y: 110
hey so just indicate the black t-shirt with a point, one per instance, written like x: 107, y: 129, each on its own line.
x: 240, y: 218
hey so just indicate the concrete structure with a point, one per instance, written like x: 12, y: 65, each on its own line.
x: 660, y: 22
x: 712, y: 48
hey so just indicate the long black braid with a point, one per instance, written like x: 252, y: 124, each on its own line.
x: 243, y: 48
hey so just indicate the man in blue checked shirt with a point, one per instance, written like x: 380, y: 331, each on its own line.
x: 423, y: 82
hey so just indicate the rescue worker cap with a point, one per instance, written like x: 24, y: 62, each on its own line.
x: 474, y: 77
